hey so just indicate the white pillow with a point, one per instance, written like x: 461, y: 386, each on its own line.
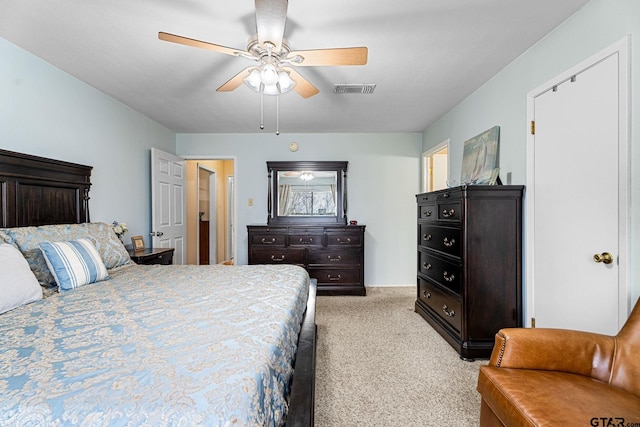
x: 18, y: 285
x: 75, y: 263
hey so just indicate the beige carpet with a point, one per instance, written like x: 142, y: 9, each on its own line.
x: 381, y: 364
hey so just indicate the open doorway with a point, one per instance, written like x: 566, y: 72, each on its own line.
x: 210, y: 211
x: 207, y: 215
x: 435, y: 167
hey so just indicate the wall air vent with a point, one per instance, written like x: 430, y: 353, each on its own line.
x: 354, y: 88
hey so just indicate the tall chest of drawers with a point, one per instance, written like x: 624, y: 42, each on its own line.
x: 334, y: 255
x: 469, y: 275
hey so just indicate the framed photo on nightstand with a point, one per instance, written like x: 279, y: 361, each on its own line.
x: 137, y: 242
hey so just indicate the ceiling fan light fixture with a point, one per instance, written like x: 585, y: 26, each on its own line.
x: 306, y: 176
x: 270, y: 90
x: 253, y: 80
x: 269, y: 74
x: 282, y: 83
x: 285, y: 83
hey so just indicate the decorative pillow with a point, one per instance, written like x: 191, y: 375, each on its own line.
x: 74, y: 264
x: 18, y: 285
x: 28, y: 239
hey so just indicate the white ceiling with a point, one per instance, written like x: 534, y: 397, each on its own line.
x: 425, y: 56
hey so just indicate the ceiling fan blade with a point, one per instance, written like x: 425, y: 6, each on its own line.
x: 337, y: 56
x: 271, y: 16
x: 235, y: 81
x: 303, y: 87
x: 199, y: 44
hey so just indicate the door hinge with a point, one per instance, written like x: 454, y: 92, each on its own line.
x: 533, y: 127
x: 533, y: 322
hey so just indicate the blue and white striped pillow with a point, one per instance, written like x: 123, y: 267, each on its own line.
x: 75, y: 263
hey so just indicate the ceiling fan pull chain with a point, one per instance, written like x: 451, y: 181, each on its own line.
x: 277, y: 114
x: 261, y: 111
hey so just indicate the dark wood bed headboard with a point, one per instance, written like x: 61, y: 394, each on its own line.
x: 38, y: 191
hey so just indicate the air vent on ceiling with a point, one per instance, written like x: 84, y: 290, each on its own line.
x: 354, y: 88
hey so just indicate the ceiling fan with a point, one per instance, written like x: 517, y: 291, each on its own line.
x: 274, y: 73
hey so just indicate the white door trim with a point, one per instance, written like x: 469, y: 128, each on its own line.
x: 431, y: 152
x: 624, y: 184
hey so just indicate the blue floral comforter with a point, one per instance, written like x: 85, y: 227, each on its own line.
x: 156, y: 346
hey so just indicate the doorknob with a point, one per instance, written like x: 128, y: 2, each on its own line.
x: 157, y: 233
x: 604, y: 257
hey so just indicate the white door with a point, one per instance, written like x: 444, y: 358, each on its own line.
x: 168, y: 184
x: 578, y: 213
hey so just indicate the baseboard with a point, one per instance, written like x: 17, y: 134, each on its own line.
x: 413, y: 285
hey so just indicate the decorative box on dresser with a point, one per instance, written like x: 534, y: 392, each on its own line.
x: 469, y: 277
x: 334, y: 255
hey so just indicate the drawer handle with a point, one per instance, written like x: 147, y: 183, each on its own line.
x: 308, y: 242
x: 264, y: 240
x: 426, y: 266
x: 427, y: 213
x: 344, y: 242
x: 448, y: 213
x: 445, y: 195
x: 426, y: 237
x: 426, y: 294
x: 448, y: 312
x: 448, y: 243
x: 447, y: 277
x: 334, y: 258
x: 273, y: 258
x: 334, y: 279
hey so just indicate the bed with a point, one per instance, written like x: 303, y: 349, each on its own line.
x: 125, y: 344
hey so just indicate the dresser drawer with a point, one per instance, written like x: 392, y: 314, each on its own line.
x: 450, y: 211
x: 443, y: 239
x: 344, y: 239
x: 336, y: 257
x: 427, y: 212
x: 447, y: 307
x: 272, y: 237
x: 305, y: 239
x: 277, y: 256
x: 446, y: 273
x: 335, y: 276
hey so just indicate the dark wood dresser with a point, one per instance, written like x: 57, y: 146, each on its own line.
x: 334, y: 255
x: 470, y: 264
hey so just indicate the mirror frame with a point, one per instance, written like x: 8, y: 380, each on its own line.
x: 341, y: 192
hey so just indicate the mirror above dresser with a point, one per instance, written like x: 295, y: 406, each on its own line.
x: 307, y: 192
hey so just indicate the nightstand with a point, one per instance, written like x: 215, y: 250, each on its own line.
x: 147, y: 256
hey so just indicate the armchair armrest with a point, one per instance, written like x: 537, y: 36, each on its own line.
x: 562, y: 350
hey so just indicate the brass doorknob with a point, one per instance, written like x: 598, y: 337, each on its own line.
x: 604, y: 257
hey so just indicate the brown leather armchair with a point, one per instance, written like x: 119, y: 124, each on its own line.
x: 557, y: 377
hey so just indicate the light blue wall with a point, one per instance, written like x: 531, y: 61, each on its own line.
x: 46, y: 112
x: 502, y: 100
x: 383, y: 179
